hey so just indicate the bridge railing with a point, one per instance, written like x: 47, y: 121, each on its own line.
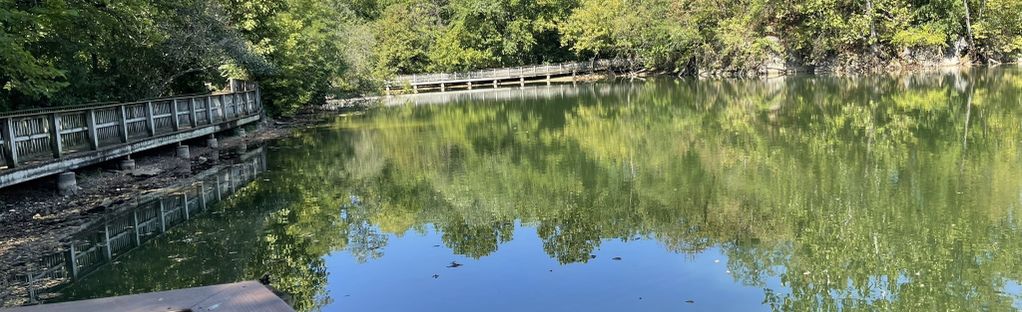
x: 510, y: 72
x: 52, y: 133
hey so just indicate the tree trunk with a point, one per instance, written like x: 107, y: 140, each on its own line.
x: 872, y: 28
x: 968, y: 31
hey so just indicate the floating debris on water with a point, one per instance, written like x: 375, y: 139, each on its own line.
x: 454, y: 264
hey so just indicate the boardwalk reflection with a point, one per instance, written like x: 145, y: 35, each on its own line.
x: 547, y: 92
x: 128, y: 227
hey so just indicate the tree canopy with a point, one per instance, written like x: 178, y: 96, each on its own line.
x: 60, y: 52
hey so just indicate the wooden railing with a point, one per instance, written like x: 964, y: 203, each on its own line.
x: 510, y: 72
x: 44, y: 134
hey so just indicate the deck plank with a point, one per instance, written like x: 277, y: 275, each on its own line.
x: 242, y: 296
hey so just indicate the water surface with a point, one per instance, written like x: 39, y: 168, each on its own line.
x: 887, y: 193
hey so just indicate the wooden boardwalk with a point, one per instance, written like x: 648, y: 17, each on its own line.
x: 248, y: 296
x: 43, y: 142
x: 499, y: 76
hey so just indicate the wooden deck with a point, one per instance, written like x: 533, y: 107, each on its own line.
x: 499, y: 76
x: 43, y: 142
x: 244, y: 296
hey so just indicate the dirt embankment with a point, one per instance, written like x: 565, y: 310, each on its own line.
x: 36, y: 221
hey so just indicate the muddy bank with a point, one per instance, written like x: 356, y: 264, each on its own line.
x: 35, y: 221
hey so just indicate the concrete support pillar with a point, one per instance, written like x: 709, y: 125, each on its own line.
x: 443, y: 87
x: 67, y: 183
x: 548, y: 80
x: 470, y: 85
x: 521, y: 81
x: 415, y: 88
x: 183, y: 152
x: 212, y: 142
x: 494, y: 84
x: 388, y: 90
x: 126, y: 164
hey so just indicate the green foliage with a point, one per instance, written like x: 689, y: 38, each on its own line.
x: 918, y: 37
x: 1000, y: 29
x: 405, y: 32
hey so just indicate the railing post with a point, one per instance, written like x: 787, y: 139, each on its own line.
x: 209, y: 109
x: 138, y: 236
x: 175, y: 122
x: 259, y: 97
x: 122, y: 114
x: 55, y: 145
x: 244, y: 100
x: 223, y: 107
x: 202, y: 195
x: 10, y: 148
x: 106, y: 242
x: 90, y: 122
x: 184, y: 200
x: 150, y: 122
x: 191, y: 108
x: 219, y: 188
x: 163, y: 216
x: 72, y: 260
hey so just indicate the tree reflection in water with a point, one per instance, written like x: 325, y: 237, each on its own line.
x: 887, y: 193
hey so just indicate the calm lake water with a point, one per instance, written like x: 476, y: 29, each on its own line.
x: 795, y: 194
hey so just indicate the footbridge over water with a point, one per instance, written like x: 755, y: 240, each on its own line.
x: 501, y: 76
x: 44, y: 142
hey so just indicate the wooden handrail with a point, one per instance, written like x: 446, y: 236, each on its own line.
x: 54, y: 132
x: 509, y: 72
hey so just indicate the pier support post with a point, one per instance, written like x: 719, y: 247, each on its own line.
x: 494, y: 84
x: 183, y: 151
x: 212, y: 142
x: 126, y: 164
x: 443, y: 87
x: 470, y: 85
x: 67, y: 184
x: 415, y: 88
x: 548, y: 80
x: 521, y: 81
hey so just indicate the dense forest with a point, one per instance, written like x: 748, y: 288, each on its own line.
x: 62, y: 52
